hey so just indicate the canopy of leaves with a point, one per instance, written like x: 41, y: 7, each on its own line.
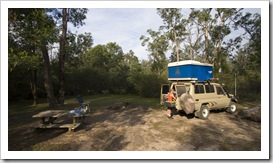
x: 205, y: 35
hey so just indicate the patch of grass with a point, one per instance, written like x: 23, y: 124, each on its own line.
x: 242, y: 105
x: 248, y: 103
x: 20, y: 110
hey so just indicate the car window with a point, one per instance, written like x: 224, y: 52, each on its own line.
x: 165, y: 89
x: 219, y: 90
x: 180, y: 89
x: 209, y: 88
x: 198, y: 89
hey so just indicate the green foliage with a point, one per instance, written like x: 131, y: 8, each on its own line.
x: 150, y: 85
x: 249, y: 87
x: 77, y: 15
x: 157, y: 45
x: 29, y: 31
x: 77, y: 46
x: 106, y: 67
x: 23, y: 60
x: 85, y: 81
x: 17, y: 81
x: 90, y: 70
x: 174, y: 27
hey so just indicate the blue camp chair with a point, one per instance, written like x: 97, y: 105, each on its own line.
x: 83, y: 105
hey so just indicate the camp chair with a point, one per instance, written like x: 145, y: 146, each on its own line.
x: 82, y: 103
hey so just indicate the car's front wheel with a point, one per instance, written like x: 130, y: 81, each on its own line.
x: 204, y: 112
x: 232, y: 107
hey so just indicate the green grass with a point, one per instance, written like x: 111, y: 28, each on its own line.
x: 96, y: 102
x: 247, y: 104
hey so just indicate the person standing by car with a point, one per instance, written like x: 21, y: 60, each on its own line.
x: 171, y: 97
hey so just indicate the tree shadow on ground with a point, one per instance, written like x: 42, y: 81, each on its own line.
x: 23, y: 137
x: 107, y: 127
x: 23, y: 134
x: 224, y: 132
x: 26, y: 139
x: 107, y: 140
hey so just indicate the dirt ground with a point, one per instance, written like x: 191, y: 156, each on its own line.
x: 138, y: 128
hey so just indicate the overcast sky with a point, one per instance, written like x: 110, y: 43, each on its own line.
x: 125, y: 26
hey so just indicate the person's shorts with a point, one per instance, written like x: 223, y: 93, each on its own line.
x: 174, y: 110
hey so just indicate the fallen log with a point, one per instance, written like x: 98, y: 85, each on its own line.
x: 253, y: 114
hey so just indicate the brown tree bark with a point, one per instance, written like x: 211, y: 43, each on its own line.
x: 47, y: 77
x: 62, y: 59
x: 207, y: 35
x: 176, y: 47
x: 207, y: 41
x: 33, y: 86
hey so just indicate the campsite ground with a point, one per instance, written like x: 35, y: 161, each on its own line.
x: 141, y: 125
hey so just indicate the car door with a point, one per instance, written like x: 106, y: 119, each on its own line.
x: 165, y: 88
x: 223, y: 100
x: 199, y: 95
x: 180, y: 89
x: 211, y: 96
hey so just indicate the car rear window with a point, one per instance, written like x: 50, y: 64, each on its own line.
x: 180, y: 89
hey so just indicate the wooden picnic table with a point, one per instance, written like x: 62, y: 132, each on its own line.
x: 47, y: 119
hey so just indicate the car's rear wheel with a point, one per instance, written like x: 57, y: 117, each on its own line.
x: 204, y: 112
x: 232, y: 107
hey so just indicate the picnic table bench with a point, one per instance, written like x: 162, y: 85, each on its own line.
x: 47, y: 119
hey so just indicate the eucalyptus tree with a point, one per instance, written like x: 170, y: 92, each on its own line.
x: 135, y: 72
x: 249, y: 68
x: 225, y: 17
x: 174, y: 27
x: 251, y: 23
x: 117, y: 69
x: 76, y: 17
x: 23, y: 60
x: 130, y: 59
x: 84, y: 42
x: 203, y: 19
x: 62, y: 56
x: 77, y: 46
x: 157, y: 45
x: 247, y: 56
x: 108, y: 67
x: 193, y: 42
x: 32, y: 30
x: 93, y: 73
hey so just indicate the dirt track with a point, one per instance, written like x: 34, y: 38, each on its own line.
x: 137, y: 128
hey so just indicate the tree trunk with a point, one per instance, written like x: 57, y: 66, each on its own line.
x: 47, y: 77
x: 207, y: 41
x: 62, y: 59
x: 33, y: 85
x: 191, y: 47
x: 207, y: 35
x: 176, y: 47
x: 220, y: 41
